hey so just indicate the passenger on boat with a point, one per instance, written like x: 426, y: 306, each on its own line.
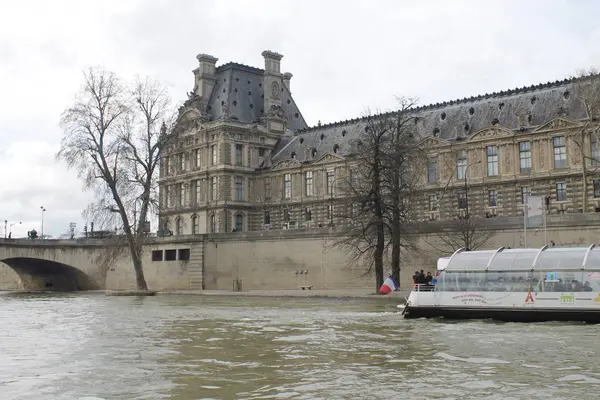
x: 428, y: 278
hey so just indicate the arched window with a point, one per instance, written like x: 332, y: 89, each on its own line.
x: 239, y: 222
x: 166, y: 226
x: 179, y: 226
x: 195, y: 226
x: 213, y: 224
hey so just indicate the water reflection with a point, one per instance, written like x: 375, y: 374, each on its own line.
x: 91, y: 346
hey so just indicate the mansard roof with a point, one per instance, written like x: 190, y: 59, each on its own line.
x: 453, y: 120
x: 239, y: 92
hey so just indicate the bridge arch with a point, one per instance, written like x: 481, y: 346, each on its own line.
x: 41, y: 274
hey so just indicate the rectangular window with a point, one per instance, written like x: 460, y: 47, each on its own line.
x: 170, y: 255
x: 287, y: 186
x: 198, y: 188
x: 157, y: 255
x: 182, y: 162
x: 184, y: 254
x: 197, y: 154
x: 462, y: 200
x: 308, y: 183
x: 168, y: 198
x: 307, y: 214
x: 286, y: 215
x: 267, y: 217
x: 267, y: 188
x: 433, y: 202
x: 561, y: 191
x: 239, y: 188
x: 594, y: 154
x: 213, y: 190
x: 239, y: 159
x: 165, y: 170
x: 261, y: 151
x: 329, y: 211
x: 492, y: 160
x: 195, y: 225
x: 213, y: 155
x: 461, y: 164
x: 492, y: 198
x: 560, y: 152
x: 525, y: 193
x: 525, y: 157
x: 181, y: 194
x: 173, y: 164
x: 432, y: 170
x: 330, y: 178
x: 597, y: 188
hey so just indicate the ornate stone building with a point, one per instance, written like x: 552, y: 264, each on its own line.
x: 243, y: 158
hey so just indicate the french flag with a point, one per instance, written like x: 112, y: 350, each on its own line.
x: 388, y: 286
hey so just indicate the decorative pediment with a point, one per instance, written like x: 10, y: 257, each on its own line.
x: 558, y: 123
x: 327, y: 158
x: 189, y: 120
x: 493, y: 132
x: 286, y: 164
x: 432, y: 142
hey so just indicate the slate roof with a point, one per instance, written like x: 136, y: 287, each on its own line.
x: 239, y: 92
x: 449, y: 120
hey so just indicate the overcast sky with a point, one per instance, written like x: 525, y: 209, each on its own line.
x: 345, y: 56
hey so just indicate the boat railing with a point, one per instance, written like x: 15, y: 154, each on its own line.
x: 423, y: 287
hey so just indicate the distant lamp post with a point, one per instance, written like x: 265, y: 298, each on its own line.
x: 43, y: 210
x: 10, y: 230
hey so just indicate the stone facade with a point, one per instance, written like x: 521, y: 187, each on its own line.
x: 243, y: 159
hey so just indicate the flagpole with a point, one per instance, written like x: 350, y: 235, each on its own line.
x: 525, y: 223
x: 545, y: 225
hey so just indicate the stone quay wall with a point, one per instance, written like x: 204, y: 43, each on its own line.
x: 290, y: 259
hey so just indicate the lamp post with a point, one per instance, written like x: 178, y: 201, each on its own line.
x: 467, y: 188
x: 5, y: 223
x: 43, y: 210
x: 10, y: 230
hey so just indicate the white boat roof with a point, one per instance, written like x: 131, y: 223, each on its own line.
x: 545, y: 259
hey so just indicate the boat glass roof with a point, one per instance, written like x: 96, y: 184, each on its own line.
x: 545, y: 259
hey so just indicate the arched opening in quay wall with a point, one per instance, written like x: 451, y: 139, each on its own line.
x: 44, y: 275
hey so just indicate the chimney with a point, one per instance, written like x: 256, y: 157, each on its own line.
x: 286, y: 80
x: 272, y: 61
x: 205, y: 75
x: 273, y: 86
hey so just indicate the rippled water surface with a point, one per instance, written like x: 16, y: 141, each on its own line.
x: 187, y: 347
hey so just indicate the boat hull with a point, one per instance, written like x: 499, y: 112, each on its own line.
x: 504, y: 314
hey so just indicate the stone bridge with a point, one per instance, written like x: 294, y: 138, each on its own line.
x: 174, y: 263
x: 63, y: 265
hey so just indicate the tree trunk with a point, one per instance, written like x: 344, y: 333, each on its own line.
x: 583, y: 173
x: 140, y: 280
x: 380, y: 228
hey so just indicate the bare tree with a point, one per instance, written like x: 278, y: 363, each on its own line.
x: 462, y: 232
x: 586, y: 88
x: 375, y: 201
x: 113, y: 134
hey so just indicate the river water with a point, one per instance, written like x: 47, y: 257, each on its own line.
x: 74, y: 346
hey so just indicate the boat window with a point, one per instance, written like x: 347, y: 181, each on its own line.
x: 493, y: 281
x: 556, y: 259
x: 470, y: 261
x: 515, y: 259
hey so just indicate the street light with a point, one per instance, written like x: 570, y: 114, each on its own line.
x: 43, y: 210
x: 11, y: 225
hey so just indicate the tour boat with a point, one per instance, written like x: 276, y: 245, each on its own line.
x: 520, y: 285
